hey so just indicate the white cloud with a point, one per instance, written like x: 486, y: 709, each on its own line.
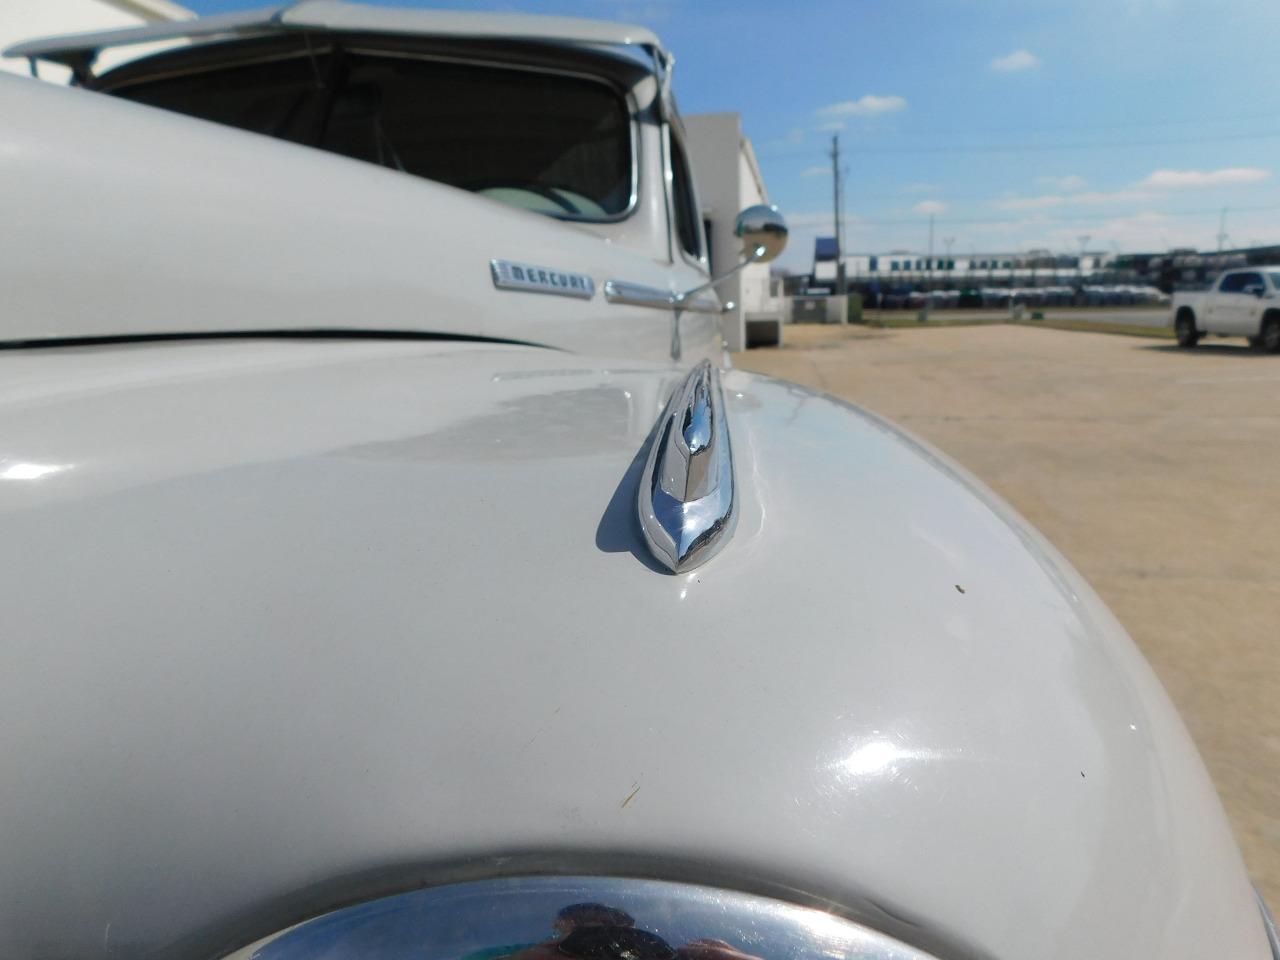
x: 1068, y: 183
x: 816, y: 172
x: 927, y: 207
x: 868, y: 105
x: 1116, y: 196
x: 1041, y: 229
x: 1167, y: 179
x: 1141, y: 231
x: 1031, y: 203
x: 1018, y: 60
x: 1087, y: 198
x: 820, y: 218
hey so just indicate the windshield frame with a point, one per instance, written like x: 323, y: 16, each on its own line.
x: 369, y: 46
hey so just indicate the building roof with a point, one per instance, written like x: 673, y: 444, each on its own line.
x: 824, y: 248
x: 320, y: 15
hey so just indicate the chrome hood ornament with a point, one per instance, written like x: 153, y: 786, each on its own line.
x: 687, y: 501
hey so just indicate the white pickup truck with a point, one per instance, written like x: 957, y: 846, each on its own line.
x: 1239, y: 303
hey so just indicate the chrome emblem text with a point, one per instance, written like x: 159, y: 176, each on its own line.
x: 508, y: 275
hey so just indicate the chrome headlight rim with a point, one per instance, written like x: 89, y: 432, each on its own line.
x: 546, y: 916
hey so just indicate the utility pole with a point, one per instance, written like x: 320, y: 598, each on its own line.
x: 1084, y: 239
x: 842, y: 286
x: 929, y: 261
x: 1222, y: 229
x: 946, y: 243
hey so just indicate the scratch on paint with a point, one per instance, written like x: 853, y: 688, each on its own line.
x: 630, y: 796
x: 537, y: 733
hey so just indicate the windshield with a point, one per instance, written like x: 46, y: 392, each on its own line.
x: 556, y: 144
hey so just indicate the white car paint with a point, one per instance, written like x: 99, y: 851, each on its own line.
x: 293, y: 624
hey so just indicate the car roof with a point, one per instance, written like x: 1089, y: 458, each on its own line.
x: 78, y: 51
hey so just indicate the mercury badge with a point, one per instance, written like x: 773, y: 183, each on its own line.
x: 508, y: 275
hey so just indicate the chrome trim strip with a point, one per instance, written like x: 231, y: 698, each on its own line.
x: 638, y: 295
x: 641, y: 295
x: 577, y: 918
x: 528, y: 278
x: 1269, y: 924
x: 687, y: 501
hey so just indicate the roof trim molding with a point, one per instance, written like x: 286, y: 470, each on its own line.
x: 79, y: 50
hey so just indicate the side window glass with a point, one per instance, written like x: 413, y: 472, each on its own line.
x: 684, y: 202
x: 1248, y: 280
x: 1232, y: 283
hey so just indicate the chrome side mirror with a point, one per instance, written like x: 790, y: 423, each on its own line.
x: 763, y: 232
x: 764, y: 236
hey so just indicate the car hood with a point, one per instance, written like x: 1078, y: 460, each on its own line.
x: 293, y: 624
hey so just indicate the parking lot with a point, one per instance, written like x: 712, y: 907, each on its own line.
x: 1155, y: 470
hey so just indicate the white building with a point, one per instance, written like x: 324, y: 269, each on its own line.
x: 967, y: 269
x: 30, y: 19
x: 729, y: 180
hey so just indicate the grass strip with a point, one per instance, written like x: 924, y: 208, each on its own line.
x: 1053, y: 323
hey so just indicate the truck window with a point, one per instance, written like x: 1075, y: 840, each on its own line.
x: 555, y: 144
x: 1237, y: 282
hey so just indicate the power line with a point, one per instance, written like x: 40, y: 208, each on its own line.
x: 1127, y: 125
x: 1085, y: 218
x: 951, y: 149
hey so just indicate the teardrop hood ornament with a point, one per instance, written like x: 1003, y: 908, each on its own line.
x: 687, y: 501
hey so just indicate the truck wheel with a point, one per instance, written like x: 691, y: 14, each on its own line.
x: 1185, y: 328
x: 1270, y: 337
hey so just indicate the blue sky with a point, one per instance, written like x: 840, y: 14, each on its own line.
x: 1016, y: 124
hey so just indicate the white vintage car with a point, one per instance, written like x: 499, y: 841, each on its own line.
x: 364, y: 597
x: 550, y: 119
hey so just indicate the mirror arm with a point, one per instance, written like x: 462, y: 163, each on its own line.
x: 754, y: 256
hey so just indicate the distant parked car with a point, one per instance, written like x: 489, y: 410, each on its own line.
x: 1239, y: 303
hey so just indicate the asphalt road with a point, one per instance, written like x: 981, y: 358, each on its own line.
x: 1155, y: 470
x: 1135, y: 316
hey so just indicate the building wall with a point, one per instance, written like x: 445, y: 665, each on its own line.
x: 30, y: 19
x: 729, y: 180
x: 906, y: 267
x: 755, y: 292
